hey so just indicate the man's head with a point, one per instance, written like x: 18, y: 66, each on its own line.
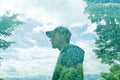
x: 59, y: 36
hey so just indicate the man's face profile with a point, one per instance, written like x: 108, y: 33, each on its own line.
x: 59, y: 37
x: 54, y: 41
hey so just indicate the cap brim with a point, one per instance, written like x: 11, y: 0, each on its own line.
x: 49, y: 34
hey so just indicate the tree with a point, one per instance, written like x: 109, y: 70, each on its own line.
x: 114, y: 73
x: 58, y: 70
x: 8, y: 22
x: 108, y: 33
x: 108, y: 28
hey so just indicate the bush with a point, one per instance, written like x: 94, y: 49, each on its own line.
x: 1, y: 79
x: 114, y: 73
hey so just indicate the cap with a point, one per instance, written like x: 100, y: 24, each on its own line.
x: 59, y: 30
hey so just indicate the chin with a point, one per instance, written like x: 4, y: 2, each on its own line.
x: 54, y: 47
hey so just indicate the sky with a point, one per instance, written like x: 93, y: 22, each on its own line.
x: 32, y: 52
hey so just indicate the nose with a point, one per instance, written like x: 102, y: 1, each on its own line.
x: 48, y: 33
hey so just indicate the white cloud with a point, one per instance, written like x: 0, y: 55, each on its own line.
x: 33, y: 61
x: 45, y: 27
x: 35, y: 52
x: 62, y: 12
x: 32, y: 40
x: 50, y: 26
x: 41, y: 61
x: 80, y: 24
x: 37, y: 29
x: 90, y: 29
x: 94, y: 67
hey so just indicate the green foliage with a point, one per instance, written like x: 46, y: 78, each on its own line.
x: 102, y: 1
x: 80, y: 72
x: 108, y: 28
x: 103, y: 11
x: 1, y: 79
x: 4, y: 44
x: 7, y: 24
x: 72, y: 73
x: 114, y: 73
x: 108, y: 32
x: 58, y: 70
x: 68, y: 74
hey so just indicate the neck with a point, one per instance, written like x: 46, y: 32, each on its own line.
x: 62, y: 46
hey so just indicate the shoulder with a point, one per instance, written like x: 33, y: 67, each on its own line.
x: 72, y: 48
x: 71, y: 55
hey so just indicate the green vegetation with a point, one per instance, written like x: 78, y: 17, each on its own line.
x: 72, y: 73
x: 108, y: 31
x: 114, y: 73
x: 58, y: 70
x: 8, y: 22
x: 1, y: 79
x: 68, y: 74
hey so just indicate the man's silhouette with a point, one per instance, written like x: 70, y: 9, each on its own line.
x: 70, y: 61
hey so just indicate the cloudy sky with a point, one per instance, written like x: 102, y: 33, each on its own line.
x: 32, y: 54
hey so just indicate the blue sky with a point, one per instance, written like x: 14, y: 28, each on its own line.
x: 32, y: 54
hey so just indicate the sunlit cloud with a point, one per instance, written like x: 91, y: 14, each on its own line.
x: 33, y: 61
x: 43, y: 28
x: 56, y: 12
x: 90, y: 29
